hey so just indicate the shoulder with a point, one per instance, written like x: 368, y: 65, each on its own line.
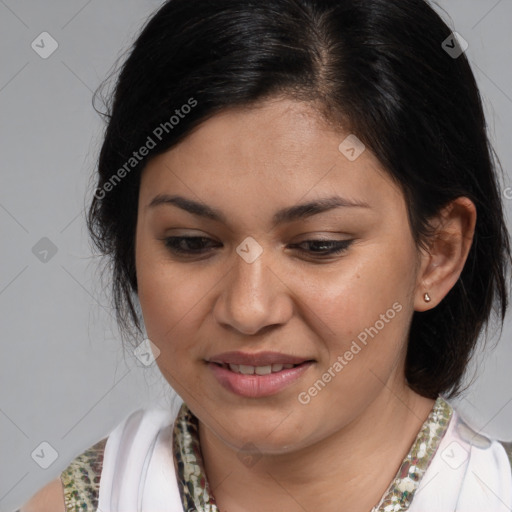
x: 78, y: 485
x: 81, y: 478
x: 487, y: 483
x: 481, y: 450
x: 496, y: 452
x: 48, y: 499
x: 137, y: 429
x: 466, y: 472
x: 138, y: 466
x: 132, y: 439
x: 475, y: 469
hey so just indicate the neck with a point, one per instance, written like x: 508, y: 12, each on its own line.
x: 354, y: 466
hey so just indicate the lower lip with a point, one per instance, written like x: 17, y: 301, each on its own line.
x: 256, y: 386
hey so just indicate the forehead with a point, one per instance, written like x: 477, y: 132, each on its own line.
x: 278, y: 151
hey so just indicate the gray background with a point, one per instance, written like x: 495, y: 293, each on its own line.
x: 64, y: 378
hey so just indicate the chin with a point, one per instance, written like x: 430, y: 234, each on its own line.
x: 273, y: 432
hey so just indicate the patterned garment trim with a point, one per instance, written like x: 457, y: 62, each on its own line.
x: 188, y: 464
x: 81, y: 479
x: 196, y: 494
x: 400, y: 493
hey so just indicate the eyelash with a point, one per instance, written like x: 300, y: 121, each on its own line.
x: 339, y: 246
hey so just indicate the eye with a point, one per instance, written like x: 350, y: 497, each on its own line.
x: 195, y: 245
x: 186, y: 244
x: 325, y: 247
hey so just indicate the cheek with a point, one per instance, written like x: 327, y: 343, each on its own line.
x: 175, y: 300
x: 367, y: 301
x: 166, y: 297
x: 167, y: 304
x: 163, y: 292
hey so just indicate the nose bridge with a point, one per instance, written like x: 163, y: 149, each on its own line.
x: 248, y: 282
x: 251, y: 299
x: 249, y: 271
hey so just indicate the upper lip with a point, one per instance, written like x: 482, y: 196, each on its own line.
x: 256, y: 359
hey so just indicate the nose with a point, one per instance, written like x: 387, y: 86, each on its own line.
x: 253, y: 297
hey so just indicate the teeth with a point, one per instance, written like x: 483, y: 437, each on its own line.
x: 263, y: 370
x: 246, y: 369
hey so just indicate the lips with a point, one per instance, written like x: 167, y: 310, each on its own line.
x: 257, y: 385
x: 257, y: 375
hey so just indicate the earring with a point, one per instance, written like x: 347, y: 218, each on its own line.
x: 427, y: 297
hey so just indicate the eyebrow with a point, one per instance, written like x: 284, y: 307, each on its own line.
x: 289, y: 214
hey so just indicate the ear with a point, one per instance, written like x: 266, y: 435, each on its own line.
x: 442, y: 264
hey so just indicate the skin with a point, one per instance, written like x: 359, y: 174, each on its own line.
x: 347, y: 443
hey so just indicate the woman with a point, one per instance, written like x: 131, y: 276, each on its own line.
x: 301, y: 197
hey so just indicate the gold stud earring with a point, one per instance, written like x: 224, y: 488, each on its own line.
x: 427, y: 297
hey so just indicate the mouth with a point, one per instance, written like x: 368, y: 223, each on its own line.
x: 248, y: 360
x: 246, y: 369
x: 257, y: 375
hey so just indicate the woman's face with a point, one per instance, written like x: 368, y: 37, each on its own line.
x: 259, y: 280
